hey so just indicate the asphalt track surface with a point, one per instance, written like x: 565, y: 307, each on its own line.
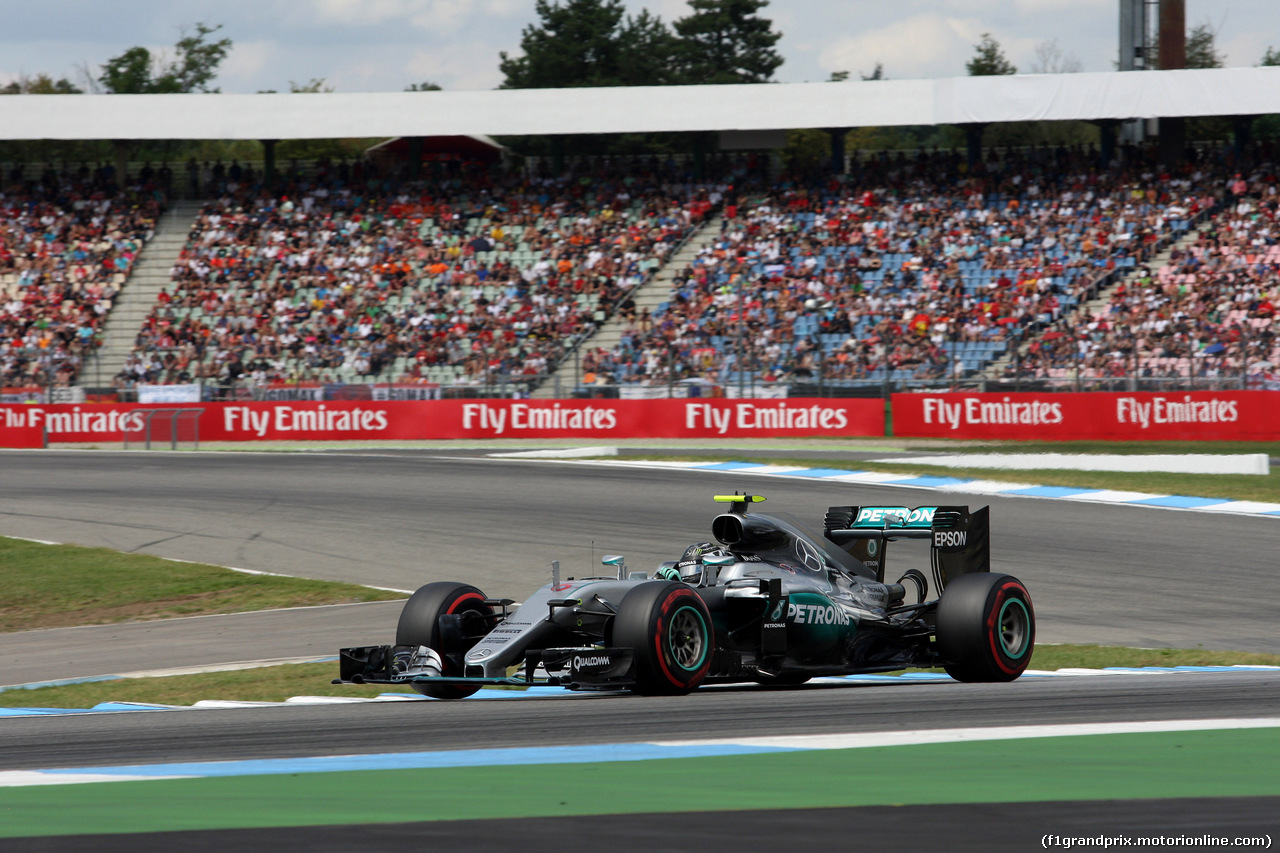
x: 961, y: 828
x: 1104, y: 574
x: 1108, y: 574
x: 309, y: 730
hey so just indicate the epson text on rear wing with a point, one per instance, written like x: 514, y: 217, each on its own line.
x: 959, y: 540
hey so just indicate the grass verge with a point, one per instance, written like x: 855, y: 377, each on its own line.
x: 278, y: 683
x: 1242, y: 487
x: 54, y: 586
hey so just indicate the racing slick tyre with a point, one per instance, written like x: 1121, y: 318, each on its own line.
x: 450, y: 618
x: 668, y: 628
x: 986, y: 628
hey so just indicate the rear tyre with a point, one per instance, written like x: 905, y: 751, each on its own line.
x: 668, y: 628
x: 986, y: 628
x: 450, y: 618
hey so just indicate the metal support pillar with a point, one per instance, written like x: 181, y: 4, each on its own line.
x: 837, y: 135
x: 973, y: 140
x: 269, y: 163
x: 1107, y: 146
x: 415, y: 158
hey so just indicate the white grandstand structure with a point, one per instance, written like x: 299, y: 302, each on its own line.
x: 518, y: 112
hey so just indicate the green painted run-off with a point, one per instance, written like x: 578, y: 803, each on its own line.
x: 1231, y: 763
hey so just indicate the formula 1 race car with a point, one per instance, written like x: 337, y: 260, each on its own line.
x: 767, y: 602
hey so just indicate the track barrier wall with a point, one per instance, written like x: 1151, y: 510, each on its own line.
x: 1200, y: 416
x: 1188, y: 416
x: 25, y: 435
x: 444, y: 419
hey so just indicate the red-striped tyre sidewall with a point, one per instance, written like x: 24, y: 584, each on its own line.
x: 1011, y: 591
x: 678, y: 676
x: 644, y: 624
x: 969, y: 627
x: 419, y: 625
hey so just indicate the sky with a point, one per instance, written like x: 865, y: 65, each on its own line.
x: 385, y: 45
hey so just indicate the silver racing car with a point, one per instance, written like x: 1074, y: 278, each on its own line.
x: 764, y: 600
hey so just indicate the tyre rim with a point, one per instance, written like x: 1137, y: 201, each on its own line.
x: 1014, y: 625
x: 687, y: 641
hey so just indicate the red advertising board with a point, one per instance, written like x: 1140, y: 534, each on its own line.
x: 26, y: 435
x: 595, y: 420
x: 1192, y: 415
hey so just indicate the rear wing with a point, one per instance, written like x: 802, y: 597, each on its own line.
x: 959, y: 540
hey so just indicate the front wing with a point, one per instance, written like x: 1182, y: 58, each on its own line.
x: 585, y: 668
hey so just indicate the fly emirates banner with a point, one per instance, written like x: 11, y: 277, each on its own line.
x: 405, y: 420
x: 1191, y: 415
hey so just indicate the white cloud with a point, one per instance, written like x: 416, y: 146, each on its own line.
x: 446, y: 16
x: 248, y: 59
x: 927, y: 45
x: 466, y: 66
x: 1078, y: 8
x: 364, y: 12
x: 497, y: 9
x: 1248, y: 48
x: 433, y: 16
x: 668, y: 10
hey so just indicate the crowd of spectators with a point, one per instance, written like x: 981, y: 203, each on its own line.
x: 913, y: 268
x: 67, y: 241
x: 462, y: 279
x: 1207, y: 314
x: 909, y: 267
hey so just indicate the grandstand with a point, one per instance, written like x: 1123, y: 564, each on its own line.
x: 938, y: 269
x: 907, y: 273
x: 409, y: 283
x: 68, y: 242
x: 914, y: 278
x: 1203, y: 318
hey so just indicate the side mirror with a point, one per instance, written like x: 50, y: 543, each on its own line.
x: 616, y: 560
x: 719, y: 561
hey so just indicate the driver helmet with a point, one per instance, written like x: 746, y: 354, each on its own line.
x: 697, y: 550
x: 690, y: 563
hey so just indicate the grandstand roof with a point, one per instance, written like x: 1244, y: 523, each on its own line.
x: 518, y: 112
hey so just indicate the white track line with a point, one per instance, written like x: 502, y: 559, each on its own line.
x: 863, y: 740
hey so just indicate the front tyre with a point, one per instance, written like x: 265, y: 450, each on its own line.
x: 668, y: 628
x: 450, y: 618
x: 986, y: 628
